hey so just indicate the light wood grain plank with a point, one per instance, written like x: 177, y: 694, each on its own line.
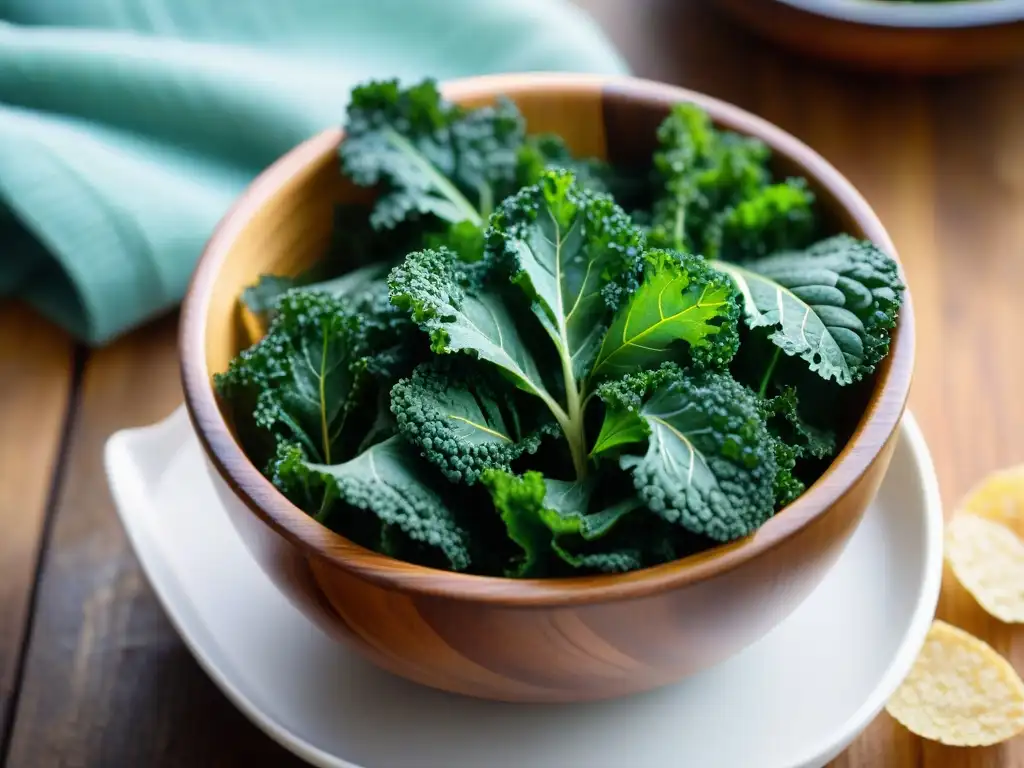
x: 107, y: 681
x: 980, y: 252
x: 35, y: 378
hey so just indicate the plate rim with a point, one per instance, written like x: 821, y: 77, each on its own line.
x: 924, y: 612
x: 117, y: 456
x: 126, y: 484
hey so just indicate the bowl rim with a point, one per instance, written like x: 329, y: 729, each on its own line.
x: 876, y: 428
x: 958, y: 14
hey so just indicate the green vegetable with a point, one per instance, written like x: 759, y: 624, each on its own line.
x: 775, y: 218
x: 709, y: 464
x: 682, y: 298
x: 538, y: 513
x: 432, y: 157
x: 460, y: 422
x: 794, y: 439
x: 833, y: 304
x: 576, y: 257
x: 495, y: 369
x: 389, y: 479
x: 306, y: 375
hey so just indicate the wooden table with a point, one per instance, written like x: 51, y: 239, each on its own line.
x: 91, y: 673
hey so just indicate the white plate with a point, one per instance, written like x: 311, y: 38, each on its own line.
x: 796, y: 698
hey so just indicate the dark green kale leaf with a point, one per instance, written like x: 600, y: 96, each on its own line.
x: 306, y: 376
x: 462, y: 314
x: 571, y: 254
x: 777, y: 217
x: 683, y: 308
x: 576, y: 254
x: 465, y: 420
x: 833, y: 304
x: 577, y: 259
x: 387, y: 480
x: 700, y: 172
x: 794, y: 439
x: 785, y: 421
x: 429, y: 156
x: 710, y: 463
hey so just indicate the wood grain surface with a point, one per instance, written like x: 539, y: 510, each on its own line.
x: 36, y: 374
x: 107, y: 682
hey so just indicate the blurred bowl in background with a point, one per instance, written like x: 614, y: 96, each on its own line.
x: 927, y: 37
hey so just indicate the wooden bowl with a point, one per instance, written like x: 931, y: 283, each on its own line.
x: 526, y: 640
x: 900, y: 37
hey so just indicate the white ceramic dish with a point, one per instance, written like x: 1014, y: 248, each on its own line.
x: 797, y: 698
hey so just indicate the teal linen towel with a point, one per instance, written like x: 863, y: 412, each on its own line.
x: 128, y: 127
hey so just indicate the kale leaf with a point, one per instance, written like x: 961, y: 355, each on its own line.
x: 577, y: 259
x: 306, y: 375
x: 833, y: 304
x: 538, y: 512
x: 681, y: 299
x: 387, y: 479
x: 463, y: 421
x: 709, y: 465
x: 494, y: 369
x: 432, y: 157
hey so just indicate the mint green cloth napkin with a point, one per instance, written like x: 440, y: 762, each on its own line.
x: 127, y: 127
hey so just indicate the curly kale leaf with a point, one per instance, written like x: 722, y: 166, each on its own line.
x: 539, y: 512
x: 462, y: 420
x: 443, y: 297
x: 794, y: 439
x: 700, y: 172
x: 683, y: 304
x: 391, y: 339
x: 431, y: 156
x: 777, y: 217
x: 570, y: 254
x: 787, y: 486
x: 833, y: 304
x: 710, y: 463
x: 306, y: 375
x: 388, y: 480
x: 577, y: 254
x: 785, y: 421
x: 686, y: 138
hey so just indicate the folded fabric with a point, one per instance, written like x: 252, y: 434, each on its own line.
x: 128, y: 127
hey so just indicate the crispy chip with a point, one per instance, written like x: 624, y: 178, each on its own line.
x: 959, y: 692
x: 998, y: 497
x: 987, y: 558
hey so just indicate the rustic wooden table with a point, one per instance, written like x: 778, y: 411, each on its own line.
x: 91, y: 673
